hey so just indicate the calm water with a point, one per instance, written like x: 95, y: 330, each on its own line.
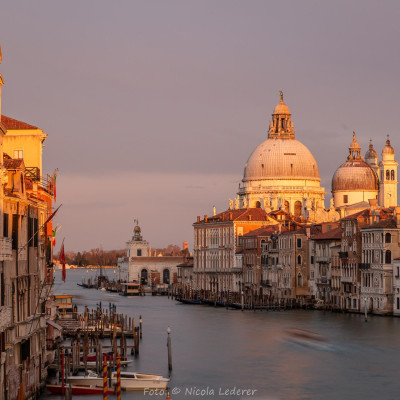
x: 215, y: 349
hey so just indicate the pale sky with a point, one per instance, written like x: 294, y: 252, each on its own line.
x: 153, y: 107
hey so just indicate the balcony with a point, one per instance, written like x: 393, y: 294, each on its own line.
x: 5, y: 318
x: 343, y: 254
x: 323, y: 280
x: 322, y: 259
x: 266, y: 282
x: 33, y: 173
x: 364, y: 266
x: 5, y: 249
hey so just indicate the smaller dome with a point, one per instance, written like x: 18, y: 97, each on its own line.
x: 136, y: 228
x: 281, y: 107
x: 388, y: 149
x: 355, y: 175
x: 371, y: 153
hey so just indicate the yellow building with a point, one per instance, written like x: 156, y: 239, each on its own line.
x: 24, y: 141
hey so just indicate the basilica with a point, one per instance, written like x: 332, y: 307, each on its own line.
x: 282, y: 173
x: 278, y: 243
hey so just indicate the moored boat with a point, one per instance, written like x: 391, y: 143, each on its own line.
x: 76, y: 389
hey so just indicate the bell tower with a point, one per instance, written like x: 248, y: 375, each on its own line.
x: 388, y: 177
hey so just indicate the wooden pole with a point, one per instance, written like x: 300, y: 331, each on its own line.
x: 105, y: 387
x: 169, y: 350
x: 62, y: 372
x: 118, y: 377
x: 140, y: 326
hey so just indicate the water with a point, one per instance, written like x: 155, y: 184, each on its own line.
x: 214, y: 349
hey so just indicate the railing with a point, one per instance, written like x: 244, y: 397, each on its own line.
x: 321, y: 259
x: 5, y: 318
x: 5, y: 249
x: 364, y: 265
x: 33, y: 173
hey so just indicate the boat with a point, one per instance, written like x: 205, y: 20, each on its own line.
x: 91, y: 364
x: 191, y: 301
x: 76, y: 389
x: 129, y: 380
x: 139, y: 381
x: 130, y: 289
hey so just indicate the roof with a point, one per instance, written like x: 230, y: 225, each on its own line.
x: 314, y: 230
x: 11, y: 123
x: 13, y: 163
x: 355, y: 175
x: 264, y: 231
x: 333, y: 234
x: 387, y: 223
x: 242, y: 214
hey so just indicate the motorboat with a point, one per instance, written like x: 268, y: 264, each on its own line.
x: 129, y: 380
x: 139, y: 381
x: 76, y: 389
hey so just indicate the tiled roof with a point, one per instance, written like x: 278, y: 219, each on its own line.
x: 302, y: 230
x: 256, y: 214
x: 363, y: 213
x: 387, y: 223
x: 11, y: 123
x: 13, y: 163
x: 264, y: 231
x: 333, y: 235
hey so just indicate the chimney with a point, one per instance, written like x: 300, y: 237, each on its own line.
x: 214, y: 211
x: 308, y: 231
x: 205, y: 218
x: 377, y: 215
x: 249, y: 217
x: 198, y: 219
x: 230, y: 217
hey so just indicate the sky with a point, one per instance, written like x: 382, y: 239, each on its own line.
x: 152, y: 108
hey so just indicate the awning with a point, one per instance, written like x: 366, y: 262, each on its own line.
x: 54, y: 325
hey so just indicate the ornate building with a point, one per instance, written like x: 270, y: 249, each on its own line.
x: 359, y: 182
x: 281, y: 172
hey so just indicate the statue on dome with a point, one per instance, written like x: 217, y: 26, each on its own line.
x: 281, y: 96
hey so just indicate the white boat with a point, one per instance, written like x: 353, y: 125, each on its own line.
x: 92, y: 379
x: 139, y: 381
x: 129, y: 380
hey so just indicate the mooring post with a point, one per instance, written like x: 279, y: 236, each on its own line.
x: 140, y: 326
x: 169, y: 349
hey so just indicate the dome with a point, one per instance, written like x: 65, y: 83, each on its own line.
x: 388, y: 149
x: 281, y: 108
x: 136, y: 228
x: 354, y: 175
x: 281, y: 158
x: 371, y: 153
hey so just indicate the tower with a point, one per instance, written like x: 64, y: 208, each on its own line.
x: 388, y: 177
x: 371, y: 158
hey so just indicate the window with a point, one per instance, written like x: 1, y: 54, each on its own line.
x: 299, y: 280
x: 398, y: 303
x: 18, y: 153
x: 299, y: 243
x: 312, y: 259
x: 387, y: 175
x: 299, y: 259
x: 388, y: 238
x: 345, y: 199
x: 392, y: 175
x: 139, y: 252
x: 5, y: 225
x: 388, y: 257
x: 15, y: 231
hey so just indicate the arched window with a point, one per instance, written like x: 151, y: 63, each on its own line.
x: 392, y: 174
x: 388, y: 238
x: 144, y: 280
x: 297, y: 209
x: 299, y: 259
x: 388, y: 257
x: 387, y: 175
x: 299, y: 280
x: 166, y: 276
x: 258, y: 204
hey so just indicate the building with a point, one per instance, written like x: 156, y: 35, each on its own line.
x: 25, y: 262
x: 380, y: 246
x: 281, y: 172
x: 146, y: 268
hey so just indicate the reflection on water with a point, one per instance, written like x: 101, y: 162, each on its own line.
x: 220, y: 350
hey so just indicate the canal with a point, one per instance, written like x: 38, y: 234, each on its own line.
x: 229, y: 354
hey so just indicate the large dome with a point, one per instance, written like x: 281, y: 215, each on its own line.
x: 281, y: 158
x: 355, y: 175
